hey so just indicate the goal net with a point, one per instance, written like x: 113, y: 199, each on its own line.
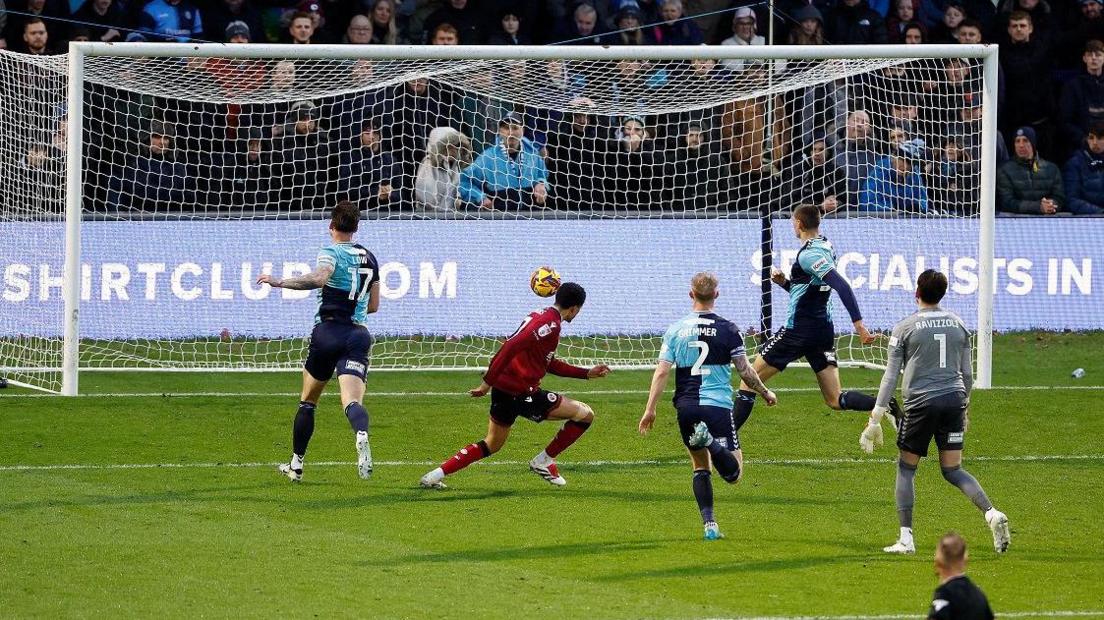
x: 626, y: 170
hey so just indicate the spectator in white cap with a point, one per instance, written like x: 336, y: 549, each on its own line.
x: 745, y: 32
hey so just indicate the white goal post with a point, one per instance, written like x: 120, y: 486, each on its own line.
x: 764, y: 110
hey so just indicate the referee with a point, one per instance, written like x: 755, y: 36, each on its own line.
x: 956, y: 597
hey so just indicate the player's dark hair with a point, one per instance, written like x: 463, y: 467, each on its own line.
x: 809, y: 216
x: 346, y: 217
x: 570, y: 295
x: 952, y: 548
x: 931, y: 286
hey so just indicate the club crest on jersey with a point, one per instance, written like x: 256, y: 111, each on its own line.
x: 544, y: 330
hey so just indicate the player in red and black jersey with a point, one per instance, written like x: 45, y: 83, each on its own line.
x: 513, y: 381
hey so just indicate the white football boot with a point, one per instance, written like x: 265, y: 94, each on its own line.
x: 295, y: 475
x: 546, y: 468
x: 364, y: 455
x: 434, y: 480
x: 998, y: 523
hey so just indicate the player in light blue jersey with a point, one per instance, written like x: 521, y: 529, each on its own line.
x: 347, y: 275
x: 809, y: 331
x: 702, y: 347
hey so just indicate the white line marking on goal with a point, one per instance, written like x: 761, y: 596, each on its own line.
x: 1027, y: 458
x: 465, y: 394
x: 1003, y: 614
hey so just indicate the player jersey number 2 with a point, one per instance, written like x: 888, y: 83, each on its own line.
x: 360, y: 286
x: 697, y: 370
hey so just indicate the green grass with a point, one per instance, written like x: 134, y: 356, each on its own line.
x: 622, y: 540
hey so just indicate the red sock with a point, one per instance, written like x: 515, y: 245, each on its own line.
x: 466, y: 456
x: 566, y: 436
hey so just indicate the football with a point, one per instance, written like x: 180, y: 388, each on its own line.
x: 544, y: 281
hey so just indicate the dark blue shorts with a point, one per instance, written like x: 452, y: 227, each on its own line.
x: 718, y: 419
x: 787, y: 346
x: 341, y: 346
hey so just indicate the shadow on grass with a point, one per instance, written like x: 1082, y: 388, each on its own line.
x: 712, y: 567
x: 209, y: 494
x: 534, y: 552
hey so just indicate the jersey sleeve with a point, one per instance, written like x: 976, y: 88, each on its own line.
x: 327, y: 256
x: 667, y: 349
x: 894, y: 364
x: 374, y: 264
x: 735, y: 342
x: 816, y: 261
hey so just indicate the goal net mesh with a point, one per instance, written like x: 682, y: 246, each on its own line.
x: 627, y: 176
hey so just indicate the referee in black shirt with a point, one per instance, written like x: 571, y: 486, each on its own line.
x: 956, y: 598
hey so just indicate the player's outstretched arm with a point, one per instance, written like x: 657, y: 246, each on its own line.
x: 659, y: 381
x: 871, y: 436
x: 481, y: 390
x: 561, y: 368
x: 847, y: 296
x: 313, y: 280
x: 751, y: 379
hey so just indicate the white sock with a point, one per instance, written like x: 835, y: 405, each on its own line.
x: 906, y: 535
x: 543, y: 458
x: 361, y: 435
x: 296, y: 461
x: 436, y: 475
x: 989, y: 513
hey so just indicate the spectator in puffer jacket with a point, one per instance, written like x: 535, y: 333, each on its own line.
x: 1028, y: 184
x: 1084, y: 175
x: 1082, y: 101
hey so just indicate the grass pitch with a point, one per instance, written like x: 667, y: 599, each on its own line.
x: 159, y: 505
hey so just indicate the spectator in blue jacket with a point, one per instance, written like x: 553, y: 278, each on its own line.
x: 895, y: 183
x: 174, y: 20
x: 509, y: 175
x: 1084, y: 175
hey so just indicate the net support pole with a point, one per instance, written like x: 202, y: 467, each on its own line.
x: 987, y: 224
x: 766, y: 248
x: 74, y: 168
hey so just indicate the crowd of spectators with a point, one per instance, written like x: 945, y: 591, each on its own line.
x: 904, y: 138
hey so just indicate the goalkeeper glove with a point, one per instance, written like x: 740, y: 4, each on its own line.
x: 872, y: 435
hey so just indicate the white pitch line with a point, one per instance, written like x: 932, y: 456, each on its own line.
x: 1027, y: 458
x: 1003, y: 614
x: 465, y: 394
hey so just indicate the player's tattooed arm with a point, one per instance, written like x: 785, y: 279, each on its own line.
x: 313, y: 280
x: 750, y: 377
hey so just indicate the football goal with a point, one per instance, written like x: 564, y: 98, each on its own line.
x: 147, y: 186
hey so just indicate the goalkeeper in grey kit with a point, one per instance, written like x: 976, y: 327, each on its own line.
x: 932, y: 348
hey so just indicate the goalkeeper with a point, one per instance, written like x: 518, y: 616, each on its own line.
x: 933, y: 347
